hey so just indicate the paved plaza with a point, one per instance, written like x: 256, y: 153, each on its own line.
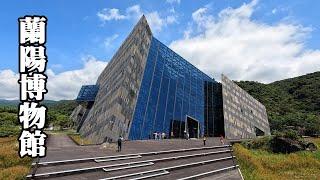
x: 153, y: 159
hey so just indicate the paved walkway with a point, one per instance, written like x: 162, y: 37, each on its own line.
x: 60, y: 141
x: 61, y: 147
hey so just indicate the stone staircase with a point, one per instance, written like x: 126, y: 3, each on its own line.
x: 210, y: 162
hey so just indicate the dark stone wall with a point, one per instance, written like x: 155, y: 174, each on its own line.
x: 119, y: 84
x: 242, y: 113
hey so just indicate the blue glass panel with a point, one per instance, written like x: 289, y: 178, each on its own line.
x: 88, y: 93
x: 152, y: 100
x: 139, y: 114
x: 171, y: 89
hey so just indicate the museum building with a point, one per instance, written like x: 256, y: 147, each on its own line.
x: 147, y: 88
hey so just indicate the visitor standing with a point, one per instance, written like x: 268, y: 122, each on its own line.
x: 163, y: 135
x: 155, y: 134
x: 204, y: 140
x: 119, y: 143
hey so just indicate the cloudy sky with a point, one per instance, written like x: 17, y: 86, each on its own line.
x: 262, y: 40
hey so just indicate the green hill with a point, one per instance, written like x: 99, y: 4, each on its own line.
x: 58, y: 115
x: 291, y: 103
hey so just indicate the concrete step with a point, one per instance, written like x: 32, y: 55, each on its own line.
x: 101, y: 158
x: 82, y: 164
x: 153, y: 160
x: 128, y: 167
x: 200, y: 171
x: 209, y: 173
x: 173, y: 168
x: 152, y: 175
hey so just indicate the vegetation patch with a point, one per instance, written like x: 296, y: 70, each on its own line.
x: 290, y: 103
x: 11, y: 165
x: 78, y: 139
x: 282, y: 142
x: 263, y: 164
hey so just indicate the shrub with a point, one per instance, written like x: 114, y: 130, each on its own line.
x: 258, y: 143
x: 261, y: 164
x: 11, y: 165
x: 9, y: 130
x: 15, y: 172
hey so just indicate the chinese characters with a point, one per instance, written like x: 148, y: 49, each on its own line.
x: 32, y: 63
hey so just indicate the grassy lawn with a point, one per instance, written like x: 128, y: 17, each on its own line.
x: 11, y: 165
x: 261, y: 164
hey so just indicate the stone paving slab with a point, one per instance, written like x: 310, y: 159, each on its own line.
x: 143, y: 158
x: 61, y: 147
x: 228, y: 175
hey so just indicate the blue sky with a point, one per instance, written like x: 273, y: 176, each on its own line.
x: 84, y: 32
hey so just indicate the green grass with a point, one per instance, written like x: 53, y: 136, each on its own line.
x: 11, y: 165
x: 261, y: 164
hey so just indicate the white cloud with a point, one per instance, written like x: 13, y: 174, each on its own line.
x: 109, y: 40
x: 134, y: 12
x: 201, y: 18
x: 245, y: 49
x: 171, y: 19
x: 173, y: 1
x: 9, y: 84
x: 157, y: 23
x: 65, y: 85
x: 155, y: 20
x: 110, y: 14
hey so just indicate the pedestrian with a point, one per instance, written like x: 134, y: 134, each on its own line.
x: 163, y: 135
x: 155, y: 134
x: 221, y: 139
x: 204, y: 140
x: 119, y: 143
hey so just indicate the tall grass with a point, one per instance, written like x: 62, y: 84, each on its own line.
x: 11, y: 165
x: 261, y: 164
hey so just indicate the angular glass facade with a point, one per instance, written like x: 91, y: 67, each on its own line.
x: 171, y: 90
x: 148, y: 88
x: 88, y: 93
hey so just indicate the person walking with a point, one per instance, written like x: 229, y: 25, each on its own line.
x: 119, y: 143
x: 155, y: 134
x: 221, y: 139
x: 163, y: 135
x: 204, y: 140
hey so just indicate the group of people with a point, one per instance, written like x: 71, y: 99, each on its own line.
x: 221, y: 140
x: 159, y: 135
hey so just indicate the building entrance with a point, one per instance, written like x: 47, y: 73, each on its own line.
x: 192, y: 127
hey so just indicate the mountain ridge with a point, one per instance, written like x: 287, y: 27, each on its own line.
x: 293, y: 102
